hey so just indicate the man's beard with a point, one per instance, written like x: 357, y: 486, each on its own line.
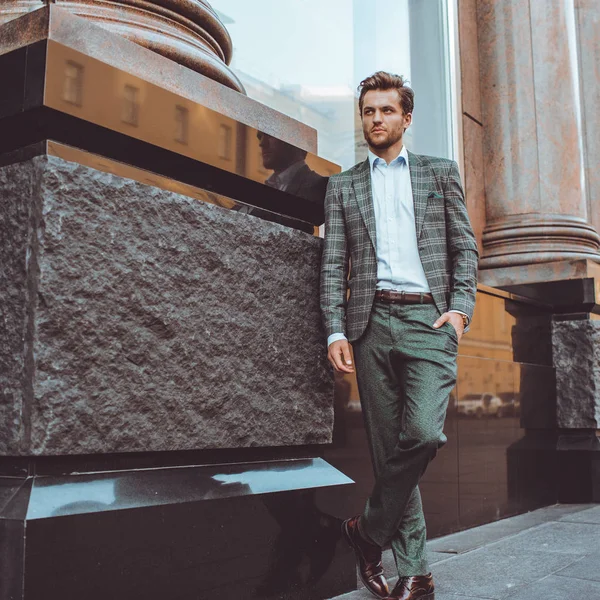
x: 382, y: 144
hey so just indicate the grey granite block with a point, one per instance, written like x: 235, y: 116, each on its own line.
x: 586, y: 568
x: 136, y: 319
x: 557, y: 588
x: 576, y: 350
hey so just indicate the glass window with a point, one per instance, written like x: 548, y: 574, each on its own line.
x: 306, y: 58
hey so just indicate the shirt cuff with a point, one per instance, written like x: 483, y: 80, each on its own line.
x: 334, y: 337
x: 460, y: 312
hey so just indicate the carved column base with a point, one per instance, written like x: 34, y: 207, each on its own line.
x: 533, y: 238
x: 188, y: 32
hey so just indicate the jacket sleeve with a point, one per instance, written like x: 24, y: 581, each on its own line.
x: 334, y: 263
x: 462, y: 246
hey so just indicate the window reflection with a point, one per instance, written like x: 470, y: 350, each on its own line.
x: 130, y: 112
x: 290, y: 172
x: 182, y: 124
x: 73, y: 85
x: 225, y: 141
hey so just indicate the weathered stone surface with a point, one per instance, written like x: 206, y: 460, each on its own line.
x: 157, y: 322
x: 576, y: 348
x: 18, y: 247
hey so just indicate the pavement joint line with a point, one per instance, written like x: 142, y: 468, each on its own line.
x: 573, y: 577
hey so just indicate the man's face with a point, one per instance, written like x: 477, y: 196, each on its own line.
x: 383, y: 120
x: 276, y: 155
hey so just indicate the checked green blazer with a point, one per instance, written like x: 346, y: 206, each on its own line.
x: 446, y: 243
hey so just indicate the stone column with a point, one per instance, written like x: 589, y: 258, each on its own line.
x: 536, y: 205
x: 530, y: 90
x: 587, y: 14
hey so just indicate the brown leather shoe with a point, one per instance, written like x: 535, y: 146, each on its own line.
x: 368, y: 559
x: 419, y: 587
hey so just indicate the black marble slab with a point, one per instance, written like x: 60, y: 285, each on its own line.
x: 61, y: 95
x: 254, y: 530
x: 99, y: 492
x: 578, y: 295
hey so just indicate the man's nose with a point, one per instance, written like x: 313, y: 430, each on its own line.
x: 377, y: 116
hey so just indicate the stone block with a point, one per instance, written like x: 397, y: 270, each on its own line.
x: 137, y: 319
x: 576, y: 350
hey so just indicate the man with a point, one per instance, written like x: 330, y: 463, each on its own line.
x: 399, y: 221
x: 291, y: 173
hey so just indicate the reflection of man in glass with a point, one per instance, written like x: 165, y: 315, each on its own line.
x: 291, y: 173
x: 402, y: 219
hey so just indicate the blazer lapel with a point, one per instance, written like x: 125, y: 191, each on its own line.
x: 361, y: 181
x: 418, y: 178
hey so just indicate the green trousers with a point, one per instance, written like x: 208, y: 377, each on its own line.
x: 406, y: 370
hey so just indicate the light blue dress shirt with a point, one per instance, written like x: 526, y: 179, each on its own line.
x: 398, y: 262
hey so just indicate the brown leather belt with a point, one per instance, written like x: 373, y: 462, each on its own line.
x: 394, y: 297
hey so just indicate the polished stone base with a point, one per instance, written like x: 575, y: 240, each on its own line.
x: 578, y: 466
x: 139, y: 320
x: 255, y: 530
x: 53, y: 22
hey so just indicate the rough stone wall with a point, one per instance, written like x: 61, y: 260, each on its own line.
x: 576, y: 349
x: 19, y: 220
x: 159, y: 322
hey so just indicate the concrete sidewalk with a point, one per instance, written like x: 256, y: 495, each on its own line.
x: 549, y: 554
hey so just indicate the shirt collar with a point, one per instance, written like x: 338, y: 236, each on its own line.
x: 374, y: 160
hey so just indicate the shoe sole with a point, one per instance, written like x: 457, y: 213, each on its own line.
x: 348, y: 539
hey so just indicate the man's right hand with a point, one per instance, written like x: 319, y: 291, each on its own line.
x: 340, y: 357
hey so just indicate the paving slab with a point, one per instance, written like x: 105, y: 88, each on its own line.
x: 587, y: 567
x: 559, y: 537
x: 558, y: 588
x: 494, y: 572
x: 476, y: 537
x: 362, y: 594
x: 590, y: 515
x: 549, y: 554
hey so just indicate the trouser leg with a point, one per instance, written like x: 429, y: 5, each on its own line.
x: 405, y: 371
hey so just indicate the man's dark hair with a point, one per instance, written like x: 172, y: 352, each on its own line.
x: 382, y: 80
